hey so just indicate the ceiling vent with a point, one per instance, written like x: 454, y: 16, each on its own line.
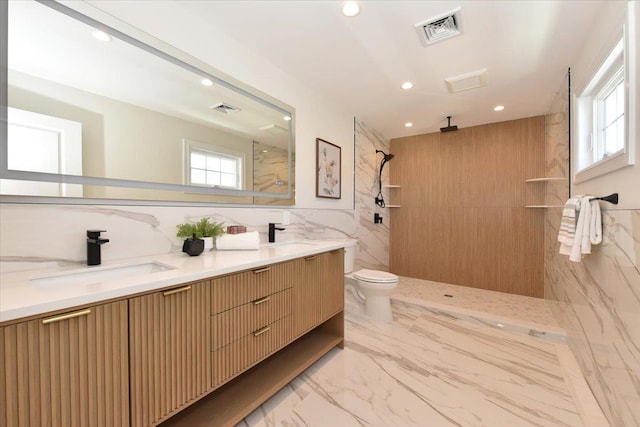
x: 224, y: 108
x: 439, y: 27
x: 472, y: 80
x: 274, y: 129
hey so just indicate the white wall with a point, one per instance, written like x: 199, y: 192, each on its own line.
x: 596, y: 48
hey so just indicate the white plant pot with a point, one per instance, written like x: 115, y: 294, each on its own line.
x: 208, y: 243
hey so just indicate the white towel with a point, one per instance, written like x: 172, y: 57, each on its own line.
x: 588, y: 228
x: 238, y: 242
x: 567, y: 231
x: 581, y: 242
x: 595, y: 231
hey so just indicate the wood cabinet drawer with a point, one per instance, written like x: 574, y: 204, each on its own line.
x: 238, y: 322
x: 236, y: 357
x: 241, y: 288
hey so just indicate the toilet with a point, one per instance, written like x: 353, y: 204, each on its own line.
x: 374, y: 286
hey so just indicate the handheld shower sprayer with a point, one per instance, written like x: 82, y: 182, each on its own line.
x: 386, y: 157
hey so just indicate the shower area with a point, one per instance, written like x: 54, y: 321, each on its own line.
x: 468, y: 216
x: 481, y: 207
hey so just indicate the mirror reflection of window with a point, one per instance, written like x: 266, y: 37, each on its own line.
x: 213, y: 166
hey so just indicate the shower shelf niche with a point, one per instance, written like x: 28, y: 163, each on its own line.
x: 549, y: 178
x: 392, y: 205
x: 544, y: 180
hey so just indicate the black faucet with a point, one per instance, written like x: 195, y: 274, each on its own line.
x: 272, y: 232
x: 93, y: 246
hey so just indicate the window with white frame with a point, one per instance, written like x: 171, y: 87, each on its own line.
x: 609, y: 113
x: 601, y: 123
x: 211, y: 166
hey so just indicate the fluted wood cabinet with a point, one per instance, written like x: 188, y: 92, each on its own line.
x: 66, y: 370
x: 319, y: 289
x: 251, y: 318
x: 170, y: 341
x: 332, y: 283
x: 220, y: 347
x: 307, y: 311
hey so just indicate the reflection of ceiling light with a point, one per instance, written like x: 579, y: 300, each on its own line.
x: 101, y: 35
x: 265, y: 151
x: 408, y: 124
x: 498, y: 108
x: 273, y: 129
x: 287, y: 118
x: 207, y: 82
x: 350, y: 8
x: 407, y: 85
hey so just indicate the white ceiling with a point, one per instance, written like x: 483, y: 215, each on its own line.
x: 359, y: 63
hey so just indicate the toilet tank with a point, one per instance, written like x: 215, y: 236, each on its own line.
x: 349, y: 255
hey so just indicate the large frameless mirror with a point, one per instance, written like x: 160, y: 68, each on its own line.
x: 97, y: 110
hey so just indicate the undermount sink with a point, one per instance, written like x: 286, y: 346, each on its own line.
x: 101, y: 274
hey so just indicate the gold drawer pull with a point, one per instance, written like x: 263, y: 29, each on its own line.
x: 261, y: 331
x: 176, y: 291
x: 261, y: 300
x: 311, y: 258
x: 66, y: 316
x: 262, y: 270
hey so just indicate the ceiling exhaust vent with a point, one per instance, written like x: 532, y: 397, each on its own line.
x: 472, y: 80
x: 439, y: 27
x: 274, y: 129
x: 224, y: 108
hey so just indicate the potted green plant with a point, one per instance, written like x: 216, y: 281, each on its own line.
x: 203, y: 229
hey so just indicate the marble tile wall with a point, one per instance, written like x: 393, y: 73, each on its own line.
x: 34, y: 236
x: 597, y: 301
x: 270, y: 170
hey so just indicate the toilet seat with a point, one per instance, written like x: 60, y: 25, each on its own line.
x: 375, y: 276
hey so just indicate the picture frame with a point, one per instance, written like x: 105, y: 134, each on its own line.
x: 328, y: 170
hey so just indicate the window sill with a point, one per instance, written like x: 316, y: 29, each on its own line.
x: 603, y: 167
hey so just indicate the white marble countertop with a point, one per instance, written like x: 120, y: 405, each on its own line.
x: 21, y: 297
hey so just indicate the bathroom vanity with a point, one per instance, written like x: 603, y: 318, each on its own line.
x: 202, y: 343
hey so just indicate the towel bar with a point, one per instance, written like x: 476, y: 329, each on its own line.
x: 611, y: 198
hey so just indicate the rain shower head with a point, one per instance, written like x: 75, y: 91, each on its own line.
x: 449, y: 128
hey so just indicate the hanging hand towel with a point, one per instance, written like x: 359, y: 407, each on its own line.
x: 567, y: 231
x: 581, y: 242
x: 595, y: 229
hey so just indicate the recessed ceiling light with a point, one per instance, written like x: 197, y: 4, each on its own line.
x: 287, y: 118
x: 265, y: 151
x: 350, y: 8
x: 101, y: 35
x: 407, y: 85
x: 207, y: 82
x: 498, y: 108
x: 408, y: 124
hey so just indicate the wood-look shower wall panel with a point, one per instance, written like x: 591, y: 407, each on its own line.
x: 463, y: 219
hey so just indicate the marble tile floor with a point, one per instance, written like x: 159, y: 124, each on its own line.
x: 433, y: 369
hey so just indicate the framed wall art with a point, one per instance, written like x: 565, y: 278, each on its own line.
x: 328, y: 167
